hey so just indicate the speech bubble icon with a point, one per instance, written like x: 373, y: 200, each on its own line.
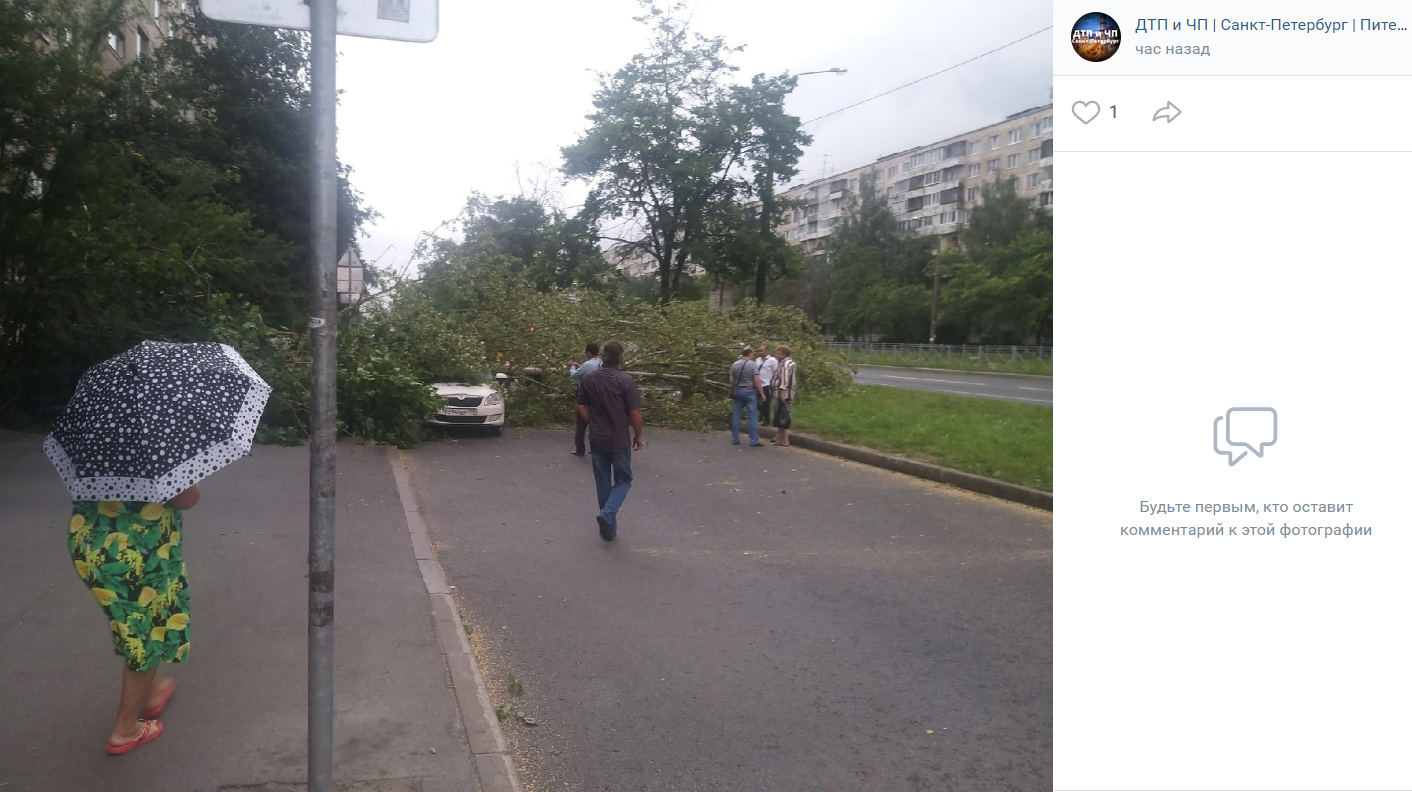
x: 1252, y: 427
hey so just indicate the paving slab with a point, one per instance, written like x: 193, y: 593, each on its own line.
x: 239, y: 716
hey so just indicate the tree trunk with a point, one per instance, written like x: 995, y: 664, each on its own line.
x: 664, y: 274
x: 767, y: 213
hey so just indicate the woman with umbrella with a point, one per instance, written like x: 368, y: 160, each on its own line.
x: 140, y: 431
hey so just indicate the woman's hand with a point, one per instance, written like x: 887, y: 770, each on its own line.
x: 187, y: 498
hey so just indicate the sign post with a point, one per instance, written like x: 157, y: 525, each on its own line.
x: 323, y: 338
x: 404, y: 20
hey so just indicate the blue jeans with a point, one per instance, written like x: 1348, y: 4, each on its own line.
x: 612, y: 472
x: 745, y: 397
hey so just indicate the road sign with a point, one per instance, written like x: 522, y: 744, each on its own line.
x: 400, y: 20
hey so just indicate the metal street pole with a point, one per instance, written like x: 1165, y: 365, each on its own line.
x: 323, y: 342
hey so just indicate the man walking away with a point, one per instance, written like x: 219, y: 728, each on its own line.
x: 746, y: 391
x: 768, y: 366
x: 785, y: 387
x: 609, y: 403
x: 577, y: 373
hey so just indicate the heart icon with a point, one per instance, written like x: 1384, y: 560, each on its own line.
x: 1086, y: 111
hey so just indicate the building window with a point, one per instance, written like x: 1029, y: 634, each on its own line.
x: 1012, y: 161
x: 891, y: 172
x: 1032, y: 181
x: 972, y: 193
x: 973, y: 170
x: 1016, y: 135
x: 954, y: 150
x: 144, y: 44
x: 975, y: 147
x: 1046, y: 199
x: 992, y: 166
x: 1034, y: 155
x: 117, y: 44
x: 994, y: 142
x: 157, y: 10
x: 1040, y: 127
x: 813, y: 226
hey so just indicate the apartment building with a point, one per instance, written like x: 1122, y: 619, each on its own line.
x: 931, y: 188
x: 148, y: 26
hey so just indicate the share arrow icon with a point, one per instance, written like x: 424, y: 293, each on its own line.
x: 1170, y: 112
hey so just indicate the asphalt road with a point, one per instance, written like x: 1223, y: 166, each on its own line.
x: 767, y: 619
x: 1029, y: 390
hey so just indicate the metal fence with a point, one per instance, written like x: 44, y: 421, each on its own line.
x: 967, y: 357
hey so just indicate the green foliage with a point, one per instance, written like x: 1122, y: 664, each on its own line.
x: 679, y: 353
x: 881, y: 280
x: 878, y: 280
x: 672, y: 146
x: 281, y: 358
x: 524, y: 237
x: 380, y: 400
x: 1004, y: 286
x: 166, y: 199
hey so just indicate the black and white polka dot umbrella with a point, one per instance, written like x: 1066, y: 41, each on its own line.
x: 156, y: 419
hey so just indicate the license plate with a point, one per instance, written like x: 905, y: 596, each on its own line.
x: 459, y: 410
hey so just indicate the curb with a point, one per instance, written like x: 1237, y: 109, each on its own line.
x: 1044, y: 377
x: 495, y: 768
x: 995, y: 488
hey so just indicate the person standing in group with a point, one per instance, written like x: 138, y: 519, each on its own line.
x: 768, y: 365
x: 577, y: 373
x: 610, y: 404
x: 786, y: 388
x: 746, y: 392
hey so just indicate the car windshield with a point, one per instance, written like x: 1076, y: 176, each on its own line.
x: 463, y: 378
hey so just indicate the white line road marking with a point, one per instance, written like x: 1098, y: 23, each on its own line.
x: 948, y: 382
x: 1046, y: 390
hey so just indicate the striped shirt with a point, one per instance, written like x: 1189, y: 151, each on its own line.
x: 784, y: 384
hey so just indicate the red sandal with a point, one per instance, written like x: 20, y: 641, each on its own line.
x: 151, y: 730
x: 161, y: 706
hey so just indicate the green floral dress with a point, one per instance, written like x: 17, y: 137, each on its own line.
x: 129, y: 556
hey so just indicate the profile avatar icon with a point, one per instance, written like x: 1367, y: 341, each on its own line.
x: 1096, y: 37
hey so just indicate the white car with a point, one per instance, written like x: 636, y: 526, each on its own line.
x: 471, y: 405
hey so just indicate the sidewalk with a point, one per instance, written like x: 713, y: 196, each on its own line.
x: 239, y: 718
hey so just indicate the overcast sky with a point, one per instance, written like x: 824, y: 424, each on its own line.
x: 508, y: 84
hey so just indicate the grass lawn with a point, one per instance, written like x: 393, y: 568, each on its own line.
x: 1002, y: 440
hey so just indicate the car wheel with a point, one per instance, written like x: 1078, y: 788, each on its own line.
x: 495, y: 431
